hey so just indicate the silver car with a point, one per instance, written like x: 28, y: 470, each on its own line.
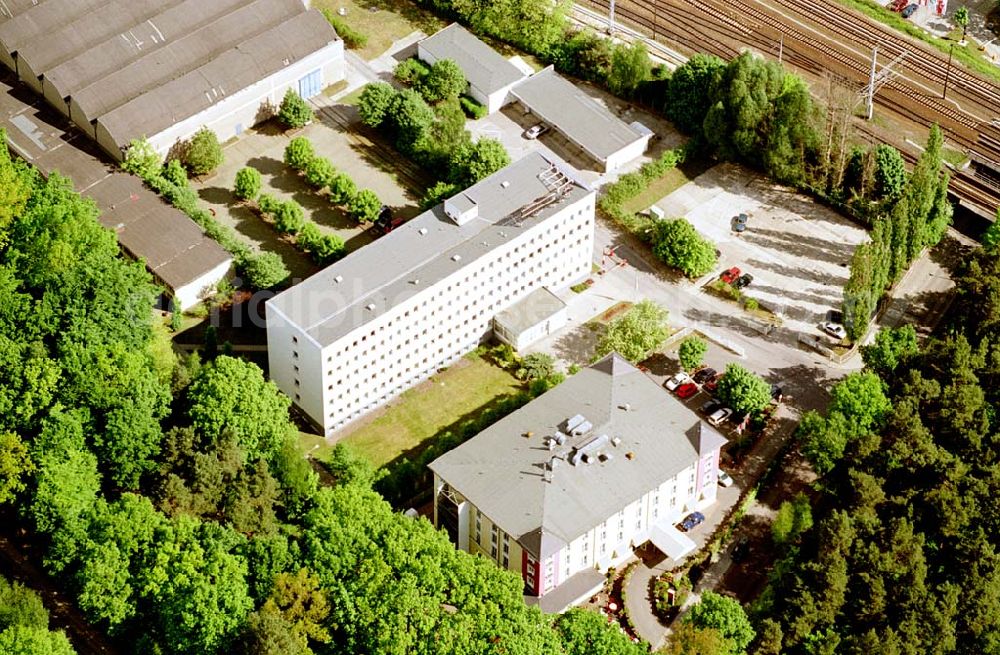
x: 535, y: 131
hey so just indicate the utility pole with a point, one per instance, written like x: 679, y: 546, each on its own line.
x: 879, y: 78
x: 947, y: 76
x: 611, y: 18
x: 781, y: 47
x: 871, y: 84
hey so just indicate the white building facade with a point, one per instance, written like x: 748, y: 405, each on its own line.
x: 392, y: 314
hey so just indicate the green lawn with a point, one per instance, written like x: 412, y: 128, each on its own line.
x: 391, y: 21
x: 424, y: 411
x: 666, y: 184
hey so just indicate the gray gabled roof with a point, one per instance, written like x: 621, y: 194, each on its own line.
x: 583, y: 120
x: 483, y: 66
x: 371, y: 281
x: 537, y: 306
x: 502, y: 471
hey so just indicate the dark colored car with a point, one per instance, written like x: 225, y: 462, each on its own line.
x: 691, y: 521
x: 710, y: 407
x: 776, y: 393
x: 908, y: 11
x: 386, y: 222
x: 740, y: 223
x: 743, y: 281
x: 740, y: 550
x: 713, y: 383
x: 686, y: 390
x: 704, y: 375
x: 730, y: 276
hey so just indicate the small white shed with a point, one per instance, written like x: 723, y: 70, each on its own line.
x: 540, y: 314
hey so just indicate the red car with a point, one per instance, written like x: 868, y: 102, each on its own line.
x: 713, y: 383
x: 731, y: 275
x: 686, y: 390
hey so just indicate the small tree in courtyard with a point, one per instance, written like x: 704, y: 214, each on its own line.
x: 635, y: 334
x: 374, y: 104
x: 265, y: 270
x: 294, y: 112
x: 743, y: 390
x: 364, y: 206
x: 962, y: 19
x: 444, y: 80
x: 536, y: 366
x: 247, y: 185
x: 691, y: 352
x: 203, y: 153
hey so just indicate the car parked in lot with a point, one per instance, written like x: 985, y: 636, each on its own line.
x: 719, y: 416
x: 691, y: 521
x: 671, y: 383
x: 711, y: 384
x: 743, y: 281
x: 701, y: 376
x: 834, y: 329
x: 776, y: 393
x: 536, y: 131
x: 725, y: 480
x: 730, y: 275
x: 686, y: 390
x: 908, y: 10
x: 709, y: 407
x: 740, y: 223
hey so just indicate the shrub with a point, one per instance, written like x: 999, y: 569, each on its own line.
x: 342, y: 189
x: 267, y: 203
x: 289, y: 217
x: 537, y: 366
x: 364, y: 206
x: 472, y: 109
x: 247, y: 185
x: 294, y: 112
x: 691, y: 352
x: 410, y: 71
x: 437, y: 194
x: 173, y: 172
x: 309, y: 236
x: 444, y: 80
x: 678, y: 244
x: 264, y: 270
x: 320, y: 172
x: 299, y: 152
x: 751, y: 304
x: 375, y: 102
x: 476, y: 161
x: 353, y: 39
x: 203, y: 154
x: 329, y: 249
x: 141, y: 159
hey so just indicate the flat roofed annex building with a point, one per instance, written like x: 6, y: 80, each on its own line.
x: 388, y: 316
x: 125, y: 69
x: 568, y: 485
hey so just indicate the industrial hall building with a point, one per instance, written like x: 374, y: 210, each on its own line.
x: 387, y: 316
x: 162, y: 69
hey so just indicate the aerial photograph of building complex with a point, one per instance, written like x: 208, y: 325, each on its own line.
x: 606, y: 327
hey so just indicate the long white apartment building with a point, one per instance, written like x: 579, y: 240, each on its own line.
x: 570, y: 484
x: 391, y: 314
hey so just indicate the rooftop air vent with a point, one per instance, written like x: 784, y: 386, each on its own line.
x: 630, y: 455
x: 573, y: 421
x: 559, y: 437
x: 616, y: 441
x: 456, y: 258
x: 338, y: 279
x: 422, y: 230
x: 505, y: 184
x: 587, y: 451
x: 606, y: 457
x: 370, y: 306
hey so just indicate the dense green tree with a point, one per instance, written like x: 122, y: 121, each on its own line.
x: 743, y: 390
x: 630, y: 67
x: 447, y: 135
x: 342, y: 189
x: 536, y: 366
x: 584, y: 632
x: 202, y: 154
x: 962, y: 20
x: 689, y: 92
x: 25, y: 640
x: 410, y: 71
x: 891, y: 348
x: 477, y: 160
x: 248, y: 183
x: 437, y: 194
x: 364, y: 206
x: 289, y: 217
x: 320, y: 172
x: 299, y: 152
x: 688, y: 639
x: 175, y: 172
x: 636, y: 333
x: 265, y: 270
x: 725, y: 615
x: 444, y: 80
x: 791, y: 141
x: 15, y: 466
x: 411, y: 119
x: 20, y: 605
x: 140, y: 159
x: 294, y: 112
x: 375, y: 103
x: 232, y: 395
x: 890, y: 172
x: 691, y: 352
x: 676, y: 243
x: 794, y: 517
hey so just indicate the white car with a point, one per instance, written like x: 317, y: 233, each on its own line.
x: 725, y: 480
x: 672, y: 383
x: 834, y: 329
x: 720, y: 415
x: 535, y: 131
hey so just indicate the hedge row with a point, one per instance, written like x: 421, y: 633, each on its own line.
x: 288, y: 217
x: 631, y: 185
x: 353, y: 39
x: 320, y: 173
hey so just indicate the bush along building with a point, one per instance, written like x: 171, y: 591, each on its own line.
x: 390, y: 315
x: 570, y: 484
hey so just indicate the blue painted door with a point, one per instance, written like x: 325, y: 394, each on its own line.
x: 310, y: 84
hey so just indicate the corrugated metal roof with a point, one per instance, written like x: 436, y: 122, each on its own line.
x: 117, y: 51
x: 483, y: 66
x: 226, y: 74
x: 582, y: 119
x: 43, y: 19
x: 11, y: 8
x: 382, y: 273
x: 183, y: 53
x: 502, y: 472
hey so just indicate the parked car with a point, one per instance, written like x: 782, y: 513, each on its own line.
x: 743, y: 281
x: 536, y: 131
x: 709, y: 407
x: 386, y: 222
x: 725, y: 480
x: 691, y: 521
x: 672, y: 383
x: 740, y: 223
x: 711, y: 384
x: 701, y: 376
x: 740, y: 550
x: 908, y: 11
x: 776, y: 393
x: 719, y: 416
x: 686, y: 390
x: 730, y: 276
x: 834, y: 329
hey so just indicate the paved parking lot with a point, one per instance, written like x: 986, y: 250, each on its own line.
x: 797, y: 250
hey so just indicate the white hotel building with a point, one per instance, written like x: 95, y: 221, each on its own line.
x: 570, y: 484
x: 388, y: 316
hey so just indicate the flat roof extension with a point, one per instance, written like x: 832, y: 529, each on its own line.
x: 483, y: 66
